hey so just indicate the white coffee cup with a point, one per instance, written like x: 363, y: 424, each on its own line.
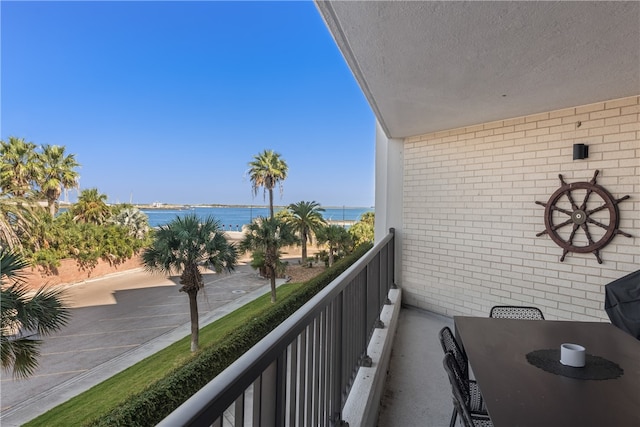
x: 572, y: 355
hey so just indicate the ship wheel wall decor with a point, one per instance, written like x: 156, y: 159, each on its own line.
x: 582, y: 217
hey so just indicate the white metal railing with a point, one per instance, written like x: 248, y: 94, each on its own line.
x: 301, y: 373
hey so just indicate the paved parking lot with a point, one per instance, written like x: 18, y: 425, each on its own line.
x: 117, y: 321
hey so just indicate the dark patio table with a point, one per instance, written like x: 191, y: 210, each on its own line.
x: 517, y: 393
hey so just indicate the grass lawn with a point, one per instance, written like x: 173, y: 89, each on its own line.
x: 107, y: 395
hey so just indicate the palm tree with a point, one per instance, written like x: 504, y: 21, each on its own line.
x: 307, y: 219
x: 56, y: 172
x: 267, y: 236
x: 267, y: 170
x: 43, y: 313
x: 134, y: 220
x: 18, y: 166
x: 91, y: 207
x: 336, y: 237
x: 180, y: 247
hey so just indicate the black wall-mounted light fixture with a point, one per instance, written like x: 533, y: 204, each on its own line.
x: 580, y: 151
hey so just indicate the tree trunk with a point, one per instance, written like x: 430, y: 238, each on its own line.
x: 273, y: 285
x: 270, y: 262
x: 304, y: 246
x: 195, y: 324
x: 271, y: 202
x: 52, y: 198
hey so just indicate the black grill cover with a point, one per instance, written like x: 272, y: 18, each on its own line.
x: 622, y: 303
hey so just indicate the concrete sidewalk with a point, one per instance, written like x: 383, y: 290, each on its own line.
x: 134, y: 313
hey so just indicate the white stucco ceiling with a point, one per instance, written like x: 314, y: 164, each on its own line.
x: 427, y: 66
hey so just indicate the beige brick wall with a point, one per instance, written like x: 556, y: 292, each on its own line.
x: 470, y: 218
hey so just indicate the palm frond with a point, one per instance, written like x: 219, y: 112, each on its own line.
x: 20, y: 356
x: 11, y: 264
x: 24, y: 315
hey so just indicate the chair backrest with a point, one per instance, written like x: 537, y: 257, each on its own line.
x: 516, y: 312
x: 459, y: 391
x: 450, y: 344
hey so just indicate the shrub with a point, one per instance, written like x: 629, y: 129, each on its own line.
x: 63, y: 237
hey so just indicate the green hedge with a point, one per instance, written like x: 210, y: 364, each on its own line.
x: 159, y: 400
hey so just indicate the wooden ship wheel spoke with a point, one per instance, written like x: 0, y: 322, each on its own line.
x: 598, y: 209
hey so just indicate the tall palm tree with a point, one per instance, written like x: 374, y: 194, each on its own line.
x: 336, y: 237
x: 18, y: 166
x: 56, y: 172
x: 267, y: 236
x: 40, y: 314
x: 267, y: 170
x: 307, y: 219
x: 91, y: 207
x: 181, y: 246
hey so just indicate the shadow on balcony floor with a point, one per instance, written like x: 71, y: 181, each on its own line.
x: 417, y: 391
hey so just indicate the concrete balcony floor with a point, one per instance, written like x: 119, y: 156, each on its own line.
x: 417, y: 391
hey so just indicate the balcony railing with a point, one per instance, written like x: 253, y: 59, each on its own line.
x: 301, y: 373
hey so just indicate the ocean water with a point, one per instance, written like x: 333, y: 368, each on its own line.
x: 233, y: 218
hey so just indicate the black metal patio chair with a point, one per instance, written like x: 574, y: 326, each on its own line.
x: 450, y: 345
x: 461, y: 396
x: 516, y: 312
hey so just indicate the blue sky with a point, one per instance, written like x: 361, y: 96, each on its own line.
x: 169, y: 101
